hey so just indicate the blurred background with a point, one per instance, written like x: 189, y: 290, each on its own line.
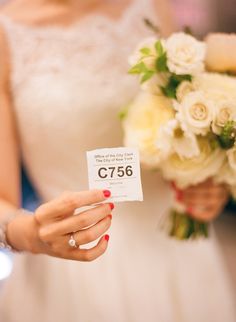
x: 202, y: 16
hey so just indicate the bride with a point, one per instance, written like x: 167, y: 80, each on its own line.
x: 63, y: 79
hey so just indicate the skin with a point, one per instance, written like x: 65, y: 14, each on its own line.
x: 206, y: 200
x: 48, y: 231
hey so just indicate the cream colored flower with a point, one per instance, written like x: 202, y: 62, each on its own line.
x: 138, y: 56
x: 191, y: 171
x: 231, y: 154
x: 145, y: 117
x: 174, y: 139
x: 183, y: 89
x: 226, y: 175
x: 196, y: 112
x: 185, y: 54
x: 225, y: 112
x: 220, y: 54
x: 216, y: 86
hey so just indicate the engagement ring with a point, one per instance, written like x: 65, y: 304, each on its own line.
x: 72, y: 242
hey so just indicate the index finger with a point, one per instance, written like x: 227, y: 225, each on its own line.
x: 68, y: 202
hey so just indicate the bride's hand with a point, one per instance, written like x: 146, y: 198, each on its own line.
x: 53, y: 224
x: 204, y: 201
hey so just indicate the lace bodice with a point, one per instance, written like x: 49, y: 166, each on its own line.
x: 68, y: 84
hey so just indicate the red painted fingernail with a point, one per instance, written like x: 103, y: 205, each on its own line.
x: 112, y: 206
x: 107, y: 237
x: 107, y: 193
x: 110, y: 216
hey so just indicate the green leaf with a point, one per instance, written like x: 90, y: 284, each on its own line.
x: 146, y: 76
x: 123, y: 113
x: 138, y: 68
x: 169, y: 91
x: 171, y: 87
x: 228, y: 135
x: 191, y: 228
x: 161, y: 63
x: 145, y: 51
x: 180, y: 78
x: 159, y: 48
x: 174, y: 81
x: 204, y: 229
x: 184, y: 227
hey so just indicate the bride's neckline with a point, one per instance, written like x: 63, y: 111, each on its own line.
x: 96, y: 17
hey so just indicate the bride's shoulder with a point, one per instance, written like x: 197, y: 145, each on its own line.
x: 29, y: 13
x: 11, y: 9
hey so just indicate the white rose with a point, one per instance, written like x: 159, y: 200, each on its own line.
x: 196, y: 112
x: 191, y: 171
x: 138, y: 56
x: 231, y: 154
x: 225, y: 112
x: 174, y: 139
x: 216, y: 86
x: 145, y: 117
x: 185, y: 54
x: 226, y: 175
x: 164, y: 138
x: 183, y: 89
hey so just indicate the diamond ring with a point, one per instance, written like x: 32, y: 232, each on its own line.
x: 72, y: 242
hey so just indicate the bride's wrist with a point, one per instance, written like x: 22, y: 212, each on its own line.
x: 22, y: 233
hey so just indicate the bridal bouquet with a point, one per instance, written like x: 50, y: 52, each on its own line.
x: 183, y: 121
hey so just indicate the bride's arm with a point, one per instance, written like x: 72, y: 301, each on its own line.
x: 49, y: 229
x: 9, y: 165
x: 165, y: 15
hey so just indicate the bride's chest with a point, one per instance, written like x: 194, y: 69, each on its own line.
x: 63, y: 82
x: 76, y: 74
x: 79, y: 73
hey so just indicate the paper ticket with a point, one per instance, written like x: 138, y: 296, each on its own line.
x: 118, y: 170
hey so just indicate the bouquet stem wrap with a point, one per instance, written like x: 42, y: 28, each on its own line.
x: 184, y: 226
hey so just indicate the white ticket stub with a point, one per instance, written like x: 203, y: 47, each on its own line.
x: 117, y: 170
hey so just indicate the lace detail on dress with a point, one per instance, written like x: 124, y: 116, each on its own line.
x: 79, y: 72
x: 32, y: 45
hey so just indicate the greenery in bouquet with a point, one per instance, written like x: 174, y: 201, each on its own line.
x: 183, y: 120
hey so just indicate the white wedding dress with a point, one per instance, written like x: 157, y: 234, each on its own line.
x: 68, y: 85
